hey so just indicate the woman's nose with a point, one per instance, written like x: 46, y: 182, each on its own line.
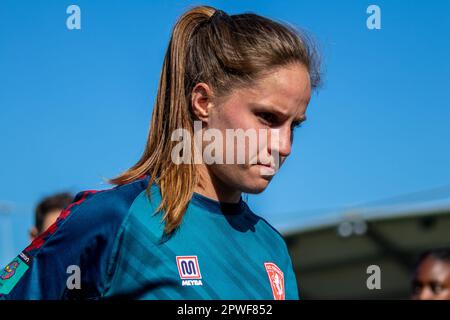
x: 426, y: 293
x: 281, y: 141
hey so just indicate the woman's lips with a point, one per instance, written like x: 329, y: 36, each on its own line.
x: 266, y: 169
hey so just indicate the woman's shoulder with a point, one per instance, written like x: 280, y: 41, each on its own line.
x: 93, y: 212
x: 107, y: 205
x: 272, y: 241
x: 267, y: 230
x: 83, y: 236
x: 110, y: 202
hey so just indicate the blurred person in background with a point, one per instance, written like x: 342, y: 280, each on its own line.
x: 47, y: 211
x: 432, y: 275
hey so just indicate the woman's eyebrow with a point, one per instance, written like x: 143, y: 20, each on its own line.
x: 275, y: 110
x: 301, y: 119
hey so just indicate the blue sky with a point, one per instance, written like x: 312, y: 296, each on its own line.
x: 75, y: 105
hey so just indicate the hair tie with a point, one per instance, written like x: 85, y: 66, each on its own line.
x: 217, y: 15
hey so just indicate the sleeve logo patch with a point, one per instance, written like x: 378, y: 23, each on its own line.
x: 9, y: 270
x: 13, y: 272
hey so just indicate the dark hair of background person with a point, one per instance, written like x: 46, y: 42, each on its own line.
x: 440, y: 254
x: 55, y: 202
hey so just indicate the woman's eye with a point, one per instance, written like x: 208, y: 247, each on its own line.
x: 296, y: 125
x: 436, y: 287
x: 267, y: 118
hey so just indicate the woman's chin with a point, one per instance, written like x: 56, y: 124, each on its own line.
x: 256, y: 185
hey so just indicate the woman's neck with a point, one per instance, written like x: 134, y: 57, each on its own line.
x: 213, y: 188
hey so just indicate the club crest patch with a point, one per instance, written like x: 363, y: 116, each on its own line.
x: 13, y: 272
x: 276, y: 278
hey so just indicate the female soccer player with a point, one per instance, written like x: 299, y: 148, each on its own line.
x: 175, y: 229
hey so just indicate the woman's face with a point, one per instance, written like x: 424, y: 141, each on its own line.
x: 277, y: 101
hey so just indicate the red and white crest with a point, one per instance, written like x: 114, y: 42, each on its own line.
x: 276, y: 278
x: 188, y: 267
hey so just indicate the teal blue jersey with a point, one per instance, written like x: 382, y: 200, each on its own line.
x: 115, y: 240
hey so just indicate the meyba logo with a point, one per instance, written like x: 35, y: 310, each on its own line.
x: 189, y: 270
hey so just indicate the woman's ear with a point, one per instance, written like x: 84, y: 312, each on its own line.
x: 33, y: 234
x: 201, y: 101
